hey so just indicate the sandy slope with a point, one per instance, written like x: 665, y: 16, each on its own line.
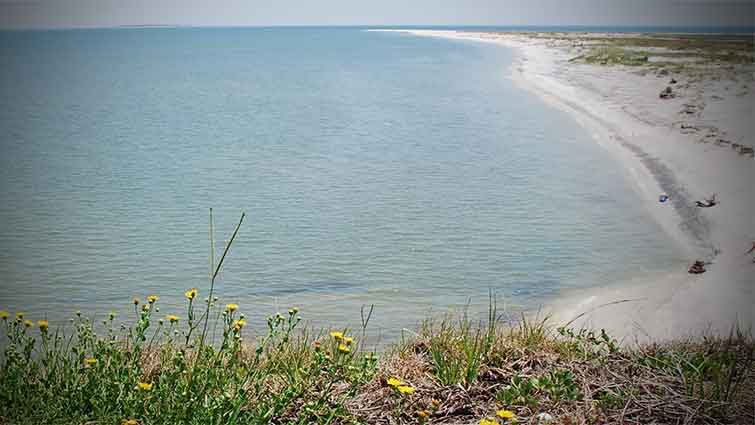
x: 665, y: 149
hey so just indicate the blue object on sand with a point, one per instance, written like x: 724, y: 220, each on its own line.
x: 663, y: 198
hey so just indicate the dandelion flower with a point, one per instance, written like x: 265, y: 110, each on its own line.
x: 423, y: 415
x: 191, y: 294
x: 489, y: 421
x: 505, y: 414
x: 172, y: 318
x: 4, y: 315
x: 145, y: 307
x: 405, y: 389
x: 43, y: 325
x: 231, y: 307
x: 152, y: 299
x: 238, y: 324
x: 143, y: 386
x: 394, y: 382
x: 90, y: 361
x: 20, y: 316
x: 28, y: 323
x: 348, y: 340
x: 336, y: 335
x: 343, y: 348
x: 129, y: 422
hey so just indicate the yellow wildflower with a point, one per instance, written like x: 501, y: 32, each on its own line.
x: 231, y: 307
x: 405, y: 389
x: 28, y: 323
x: 144, y: 386
x: 152, y: 299
x: 172, y: 318
x: 129, y: 422
x: 20, y: 316
x: 90, y: 361
x: 343, y: 348
x: 337, y: 335
x: 423, y: 414
x: 238, y: 324
x: 135, y: 301
x: 489, y: 421
x: 394, y: 382
x: 4, y: 315
x: 348, y: 340
x: 191, y: 294
x: 505, y: 414
x: 43, y: 325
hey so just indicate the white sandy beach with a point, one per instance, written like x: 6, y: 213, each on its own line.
x: 683, y: 147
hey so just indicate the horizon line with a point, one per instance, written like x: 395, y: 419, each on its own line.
x: 748, y: 28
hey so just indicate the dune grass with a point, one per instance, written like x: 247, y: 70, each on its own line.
x: 452, y: 371
x: 164, y: 370
x: 539, y: 372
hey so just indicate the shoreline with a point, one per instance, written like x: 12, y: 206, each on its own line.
x: 622, y: 112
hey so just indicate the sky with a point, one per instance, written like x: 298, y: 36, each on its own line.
x: 109, y: 13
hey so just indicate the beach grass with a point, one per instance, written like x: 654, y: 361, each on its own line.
x: 451, y: 371
x: 165, y: 370
x: 661, y: 50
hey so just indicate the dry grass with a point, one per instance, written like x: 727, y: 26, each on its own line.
x: 705, y: 380
x: 456, y: 371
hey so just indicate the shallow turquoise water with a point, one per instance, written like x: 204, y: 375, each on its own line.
x: 374, y: 168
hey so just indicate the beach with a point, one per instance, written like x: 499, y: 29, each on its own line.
x: 401, y: 229
x: 693, y: 143
x: 418, y: 201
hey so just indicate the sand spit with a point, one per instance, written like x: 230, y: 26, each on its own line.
x: 677, y: 112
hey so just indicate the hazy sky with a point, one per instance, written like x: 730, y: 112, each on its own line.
x: 88, y: 13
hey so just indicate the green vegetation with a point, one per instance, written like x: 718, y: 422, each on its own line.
x: 614, y: 56
x: 667, y: 50
x: 164, y: 370
x: 150, y: 376
x: 451, y: 372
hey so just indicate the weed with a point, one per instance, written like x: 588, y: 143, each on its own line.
x: 556, y: 386
x: 164, y: 371
x: 458, y: 351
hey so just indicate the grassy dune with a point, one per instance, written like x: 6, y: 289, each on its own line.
x: 668, y: 50
x: 158, y: 371
x: 166, y: 370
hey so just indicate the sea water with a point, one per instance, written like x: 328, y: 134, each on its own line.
x: 382, y: 169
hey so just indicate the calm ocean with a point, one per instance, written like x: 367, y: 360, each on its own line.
x: 374, y: 168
